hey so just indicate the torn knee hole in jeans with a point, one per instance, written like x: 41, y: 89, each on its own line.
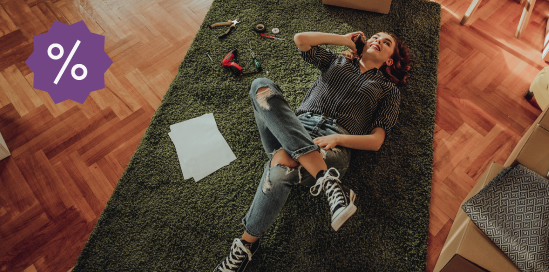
x: 262, y: 94
x: 267, y: 185
x: 288, y: 169
x: 274, y: 152
x: 324, y: 152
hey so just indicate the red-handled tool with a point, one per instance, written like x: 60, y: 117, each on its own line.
x: 270, y: 37
x: 230, y: 64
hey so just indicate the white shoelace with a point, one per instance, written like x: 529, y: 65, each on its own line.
x: 230, y: 264
x: 336, y: 197
x: 334, y: 194
x: 322, y: 181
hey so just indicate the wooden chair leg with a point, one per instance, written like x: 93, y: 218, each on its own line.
x: 526, y: 12
x: 470, y: 10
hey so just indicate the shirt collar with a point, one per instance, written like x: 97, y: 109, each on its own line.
x: 374, y: 70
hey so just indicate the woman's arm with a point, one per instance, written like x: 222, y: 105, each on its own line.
x: 306, y: 40
x: 371, y: 142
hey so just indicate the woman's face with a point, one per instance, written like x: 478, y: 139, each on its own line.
x: 380, y: 46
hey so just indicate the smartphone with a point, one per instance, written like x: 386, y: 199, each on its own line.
x: 359, y: 43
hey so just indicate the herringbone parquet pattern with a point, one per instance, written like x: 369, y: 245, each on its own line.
x: 67, y: 157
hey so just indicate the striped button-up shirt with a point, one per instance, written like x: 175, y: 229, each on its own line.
x: 359, y: 102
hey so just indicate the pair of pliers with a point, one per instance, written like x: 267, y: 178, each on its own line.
x: 231, y: 23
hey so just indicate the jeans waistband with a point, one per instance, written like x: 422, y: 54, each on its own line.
x: 325, y: 119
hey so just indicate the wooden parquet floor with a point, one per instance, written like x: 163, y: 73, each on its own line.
x: 67, y: 157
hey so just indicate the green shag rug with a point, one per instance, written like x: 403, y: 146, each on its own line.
x: 156, y: 221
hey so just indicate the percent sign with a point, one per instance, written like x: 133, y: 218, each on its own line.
x: 60, y: 55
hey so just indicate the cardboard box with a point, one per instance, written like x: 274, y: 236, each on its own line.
x: 532, y: 150
x: 543, y: 119
x: 4, y: 151
x: 467, y: 240
x: 380, y: 6
x: 460, y: 264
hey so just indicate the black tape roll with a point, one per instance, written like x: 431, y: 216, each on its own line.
x: 260, y: 28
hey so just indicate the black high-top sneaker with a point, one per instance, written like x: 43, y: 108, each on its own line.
x: 241, y: 253
x: 340, y: 198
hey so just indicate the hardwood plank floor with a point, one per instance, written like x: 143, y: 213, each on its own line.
x: 67, y: 157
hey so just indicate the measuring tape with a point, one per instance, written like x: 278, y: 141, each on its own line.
x: 259, y: 28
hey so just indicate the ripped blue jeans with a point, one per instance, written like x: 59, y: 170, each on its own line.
x: 280, y: 128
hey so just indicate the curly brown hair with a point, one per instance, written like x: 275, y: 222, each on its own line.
x: 402, y: 62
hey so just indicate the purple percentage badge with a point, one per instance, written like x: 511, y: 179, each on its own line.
x: 86, y: 61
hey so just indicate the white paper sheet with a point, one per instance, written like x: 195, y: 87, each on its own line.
x: 200, y: 147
